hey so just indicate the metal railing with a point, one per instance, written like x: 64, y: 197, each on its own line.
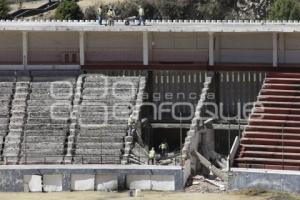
x: 61, y: 159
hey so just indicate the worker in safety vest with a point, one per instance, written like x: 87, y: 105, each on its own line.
x: 100, y: 15
x: 111, y: 16
x: 152, y: 155
x: 141, y: 16
x: 163, y: 148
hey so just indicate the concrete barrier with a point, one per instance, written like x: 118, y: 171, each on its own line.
x: 83, y: 182
x: 52, y: 183
x: 106, y: 182
x: 151, y: 182
x: 142, y: 182
x: 33, y: 183
x: 162, y: 183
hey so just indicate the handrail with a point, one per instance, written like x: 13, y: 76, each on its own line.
x: 47, y: 159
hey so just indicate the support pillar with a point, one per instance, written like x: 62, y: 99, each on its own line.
x: 145, y: 48
x: 275, y: 49
x: 211, y: 49
x: 81, y: 48
x: 25, y: 48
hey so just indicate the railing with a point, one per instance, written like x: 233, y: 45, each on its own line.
x: 61, y: 159
x: 140, y: 160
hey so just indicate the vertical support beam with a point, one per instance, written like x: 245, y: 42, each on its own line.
x: 25, y: 48
x: 275, y: 49
x: 211, y: 49
x: 81, y: 48
x: 145, y: 48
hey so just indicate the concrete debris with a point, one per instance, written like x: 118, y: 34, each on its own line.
x: 205, y: 185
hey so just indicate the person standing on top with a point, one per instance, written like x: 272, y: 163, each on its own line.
x: 111, y: 16
x: 100, y: 15
x: 141, y: 16
x: 163, y: 148
x: 152, y: 155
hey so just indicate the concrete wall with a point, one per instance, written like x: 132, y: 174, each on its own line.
x: 63, y: 47
x: 244, y: 48
x: 179, y: 47
x: 10, y: 47
x: 56, y: 178
x: 265, y: 179
x: 113, y: 47
x: 53, y: 48
x: 151, y: 182
x: 291, y: 48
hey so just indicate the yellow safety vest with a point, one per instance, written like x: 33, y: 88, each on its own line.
x: 152, y: 154
x: 163, y: 146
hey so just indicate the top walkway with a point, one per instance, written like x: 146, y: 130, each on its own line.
x: 154, y: 26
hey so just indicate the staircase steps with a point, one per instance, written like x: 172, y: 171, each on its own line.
x: 271, y: 140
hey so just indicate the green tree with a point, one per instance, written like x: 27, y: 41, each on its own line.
x: 68, y: 10
x: 4, y: 9
x: 172, y: 9
x: 285, y: 10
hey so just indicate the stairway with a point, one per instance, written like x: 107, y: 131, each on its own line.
x: 271, y: 140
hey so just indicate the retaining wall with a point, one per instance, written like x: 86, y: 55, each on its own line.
x: 288, y: 181
x: 57, y: 178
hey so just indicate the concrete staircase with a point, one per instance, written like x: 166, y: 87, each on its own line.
x: 7, y: 87
x: 17, y: 120
x: 271, y: 140
x: 105, y: 105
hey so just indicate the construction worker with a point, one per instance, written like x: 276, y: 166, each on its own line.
x: 100, y: 15
x: 111, y: 16
x: 141, y: 16
x: 152, y: 155
x: 163, y: 148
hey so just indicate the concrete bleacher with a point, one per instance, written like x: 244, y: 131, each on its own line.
x: 7, y: 86
x: 106, y: 103
x: 271, y: 139
x: 47, y: 124
x: 55, y: 118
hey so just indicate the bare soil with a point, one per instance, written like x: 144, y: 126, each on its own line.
x: 147, y: 196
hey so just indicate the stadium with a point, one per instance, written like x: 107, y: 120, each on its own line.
x: 82, y: 105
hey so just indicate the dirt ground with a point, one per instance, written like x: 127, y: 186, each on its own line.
x: 144, y: 196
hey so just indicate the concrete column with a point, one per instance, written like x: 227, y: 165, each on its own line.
x: 25, y: 48
x: 275, y: 49
x: 145, y: 48
x: 81, y: 48
x: 211, y: 48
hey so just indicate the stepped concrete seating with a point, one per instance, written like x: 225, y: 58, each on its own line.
x: 272, y: 138
x: 7, y: 85
x: 105, y: 106
x: 47, y: 124
x: 17, y: 120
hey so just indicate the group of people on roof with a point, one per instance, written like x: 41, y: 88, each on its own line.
x: 111, y: 16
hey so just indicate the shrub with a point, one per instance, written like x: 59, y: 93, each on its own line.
x: 68, y: 10
x: 285, y: 10
x: 4, y: 9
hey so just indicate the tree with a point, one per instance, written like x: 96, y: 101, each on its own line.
x: 68, y: 10
x: 4, y: 9
x: 171, y: 9
x: 285, y: 10
x: 90, y: 13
